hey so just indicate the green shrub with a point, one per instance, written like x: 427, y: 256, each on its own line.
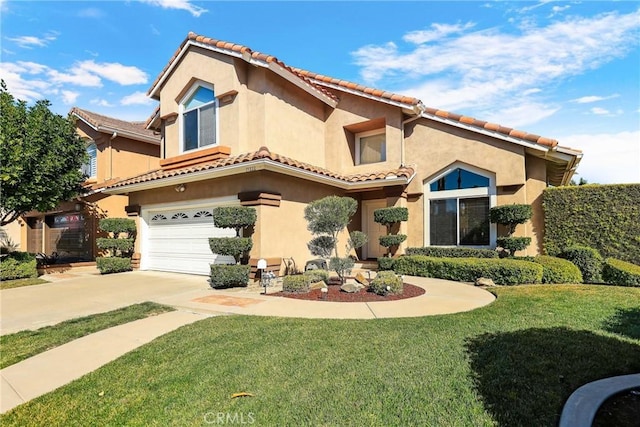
x: 107, y: 265
x: 321, y: 246
x: 342, y: 266
x: 558, y: 270
x: 386, y: 282
x: 501, y: 271
x: 604, y: 217
x: 235, y: 217
x: 233, y: 246
x: 510, y: 215
x: 621, y: 273
x: 297, y: 283
x: 513, y: 244
x: 317, y: 275
x: 357, y: 239
x: 588, y: 260
x: 392, y: 240
x: 118, y: 225
x: 436, y: 251
x: 18, y: 265
x: 388, y: 216
x: 227, y: 276
x: 123, y: 245
x: 385, y: 263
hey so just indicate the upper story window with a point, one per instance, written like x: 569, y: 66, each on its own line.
x: 198, y: 118
x: 371, y: 147
x: 90, y: 167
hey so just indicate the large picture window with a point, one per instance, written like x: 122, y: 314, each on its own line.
x: 198, y: 114
x: 458, y: 206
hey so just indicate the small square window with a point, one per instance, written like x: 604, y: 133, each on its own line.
x: 371, y: 147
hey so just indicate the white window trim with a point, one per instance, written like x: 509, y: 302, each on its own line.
x: 93, y: 171
x: 181, y: 111
x: 465, y: 193
x: 365, y: 134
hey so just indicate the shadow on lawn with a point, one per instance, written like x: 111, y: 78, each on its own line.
x: 524, y: 377
x: 625, y: 322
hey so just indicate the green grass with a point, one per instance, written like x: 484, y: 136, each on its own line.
x: 24, y: 344
x: 512, y: 363
x: 17, y: 283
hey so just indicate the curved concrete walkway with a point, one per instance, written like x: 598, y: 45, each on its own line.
x: 75, y: 295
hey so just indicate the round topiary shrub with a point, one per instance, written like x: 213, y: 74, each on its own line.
x: 317, y: 275
x: 227, y: 276
x: 386, y: 282
x: 558, y: 270
x: 621, y: 273
x: 298, y: 283
x: 385, y: 263
x: 588, y: 260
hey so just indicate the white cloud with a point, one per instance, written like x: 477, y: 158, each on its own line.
x: 608, y: 158
x: 481, y: 69
x: 28, y: 42
x: 23, y: 89
x: 90, y: 12
x: 600, y: 111
x: 558, y: 9
x: 77, y: 77
x: 178, y: 4
x: 101, y: 102
x: 437, y: 32
x: 69, y: 97
x: 136, y: 98
x: 593, y: 98
x: 116, y: 72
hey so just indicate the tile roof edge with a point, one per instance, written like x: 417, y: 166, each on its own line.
x: 91, y: 118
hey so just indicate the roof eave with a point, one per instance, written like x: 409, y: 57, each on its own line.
x: 111, y: 130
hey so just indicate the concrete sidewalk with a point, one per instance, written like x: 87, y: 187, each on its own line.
x: 47, y: 371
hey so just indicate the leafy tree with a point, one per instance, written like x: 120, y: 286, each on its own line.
x: 330, y: 215
x: 41, y: 157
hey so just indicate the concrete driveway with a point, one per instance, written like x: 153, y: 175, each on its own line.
x: 32, y: 307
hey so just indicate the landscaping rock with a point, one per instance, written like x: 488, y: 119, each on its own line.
x: 483, y: 281
x: 318, y: 285
x: 351, y: 287
x: 361, y: 279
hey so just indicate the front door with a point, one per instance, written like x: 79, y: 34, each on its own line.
x: 372, y: 229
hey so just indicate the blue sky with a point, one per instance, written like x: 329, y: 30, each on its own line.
x: 564, y: 70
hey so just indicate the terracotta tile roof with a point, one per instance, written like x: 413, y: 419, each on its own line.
x: 321, y: 82
x: 105, y: 123
x: 264, y: 154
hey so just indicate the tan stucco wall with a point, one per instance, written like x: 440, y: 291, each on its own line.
x: 13, y: 232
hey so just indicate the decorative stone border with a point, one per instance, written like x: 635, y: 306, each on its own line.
x: 583, y: 404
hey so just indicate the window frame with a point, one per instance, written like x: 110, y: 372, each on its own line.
x: 359, y: 136
x: 466, y: 193
x: 92, y: 165
x: 181, y: 112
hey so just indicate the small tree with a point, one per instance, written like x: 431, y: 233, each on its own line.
x: 510, y: 216
x: 119, y: 245
x: 236, y: 217
x: 326, y: 218
x: 390, y: 217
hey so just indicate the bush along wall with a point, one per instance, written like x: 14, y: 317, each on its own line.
x: 604, y: 217
x: 620, y: 273
x: 119, y: 245
x: 390, y: 218
x: 237, y: 218
x: 18, y: 265
x: 510, y: 216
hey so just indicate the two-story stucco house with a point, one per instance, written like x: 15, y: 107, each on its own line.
x: 116, y: 149
x: 240, y: 127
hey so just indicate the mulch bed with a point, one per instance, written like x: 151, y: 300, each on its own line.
x: 620, y: 410
x: 335, y: 294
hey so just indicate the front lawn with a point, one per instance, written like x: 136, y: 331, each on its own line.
x: 512, y: 363
x: 18, y: 283
x: 24, y: 344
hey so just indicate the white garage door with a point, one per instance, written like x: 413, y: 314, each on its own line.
x: 178, y: 240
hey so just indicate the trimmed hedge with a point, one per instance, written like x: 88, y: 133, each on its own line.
x: 123, y: 245
x: 558, y: 270
x: 234, y: 246
x: 620, y: 273
x: 389, y: 216
x: 513, y: 244
x: 392, y: 240
x: 437, y: 251
x: 386, y: 279
x: 227, y: 276
x: 317, y: 275
x: 510, y: 215
x: 385, y: 263
x: 501, y: 271
x: 604, y: 217
x: 297, y: 283
x: 234, y: 217
x: 107, y: 265
x: 118, y: 225
x: 588, y: 260
x: 18, y: 265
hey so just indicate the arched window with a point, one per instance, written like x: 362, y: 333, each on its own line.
x: 458, y: 201
x: 90, y: 167
x: 198, y: 111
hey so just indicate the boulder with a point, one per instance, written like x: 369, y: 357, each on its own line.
x: 483, y: 281
x: 351, y: 287
x: 318, y: 285
x: 361, y: 279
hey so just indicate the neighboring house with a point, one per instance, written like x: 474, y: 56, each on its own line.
x: 117, y: 149
x: 242, y: 128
